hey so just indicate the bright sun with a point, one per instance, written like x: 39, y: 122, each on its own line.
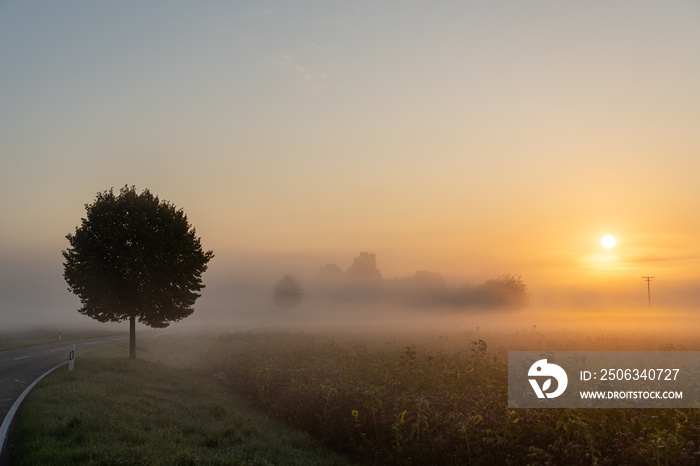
x: 607, y: 241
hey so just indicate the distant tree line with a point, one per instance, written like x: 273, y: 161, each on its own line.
x: 363, y: 282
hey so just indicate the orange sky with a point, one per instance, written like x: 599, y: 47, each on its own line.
x: 471, y: 138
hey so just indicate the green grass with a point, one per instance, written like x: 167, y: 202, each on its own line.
x: 112, y: 410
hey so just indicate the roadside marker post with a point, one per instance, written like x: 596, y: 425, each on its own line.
x: 71, y: 357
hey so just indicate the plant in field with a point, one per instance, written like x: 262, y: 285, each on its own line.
x: 421, y: 418
x: 409, y: 354
x: 397, y: 428
x: 329, y: 393
x: 356, y: 418
x: 374, y: 403
x: 660, y: 448
x: 479, y: 347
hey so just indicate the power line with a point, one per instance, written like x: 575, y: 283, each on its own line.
x: 648, y: 279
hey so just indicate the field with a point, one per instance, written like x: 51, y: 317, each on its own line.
x: 442, y: 399
x: 112, y: 410
x: 385, y: 398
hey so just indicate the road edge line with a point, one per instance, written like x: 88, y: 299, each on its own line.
x: 5, y: 427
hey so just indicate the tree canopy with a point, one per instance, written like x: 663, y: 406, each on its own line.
x: 288, y: 292
x: 364, y: 267
x: 135, y: 257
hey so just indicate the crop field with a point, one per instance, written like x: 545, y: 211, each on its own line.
x: 442, y: 399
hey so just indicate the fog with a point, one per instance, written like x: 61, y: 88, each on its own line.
x: 239, y: 297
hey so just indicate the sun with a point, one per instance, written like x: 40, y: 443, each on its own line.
x: 607, y: 241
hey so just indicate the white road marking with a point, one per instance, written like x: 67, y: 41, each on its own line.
x: 21, y: 357
x: 5, y: 426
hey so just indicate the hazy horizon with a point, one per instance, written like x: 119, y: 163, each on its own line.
x: 470, y: 139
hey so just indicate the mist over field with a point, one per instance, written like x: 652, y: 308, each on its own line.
x: 239, y: 297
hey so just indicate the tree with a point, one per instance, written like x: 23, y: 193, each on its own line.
x: 364, y: 267
x: 288, y: 292
x: 330, y: 272
x: 135, y: 257
x: 504, y: 291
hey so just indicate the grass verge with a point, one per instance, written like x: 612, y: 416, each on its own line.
x: 112, y: 410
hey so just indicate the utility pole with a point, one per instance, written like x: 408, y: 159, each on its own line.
x: 648, y: 279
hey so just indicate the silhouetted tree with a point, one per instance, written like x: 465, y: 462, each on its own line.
x: 288, y: 292
x: 135, y: 257
x: 504, y: 291
x: 330, y: 272
x: 364, y: 266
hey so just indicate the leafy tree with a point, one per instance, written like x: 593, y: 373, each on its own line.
x: 135, y: 257
x: 504, y: 291
x: 364, y: 267
x: 288, y: 292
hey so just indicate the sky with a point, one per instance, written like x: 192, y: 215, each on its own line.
x: 468, y: 138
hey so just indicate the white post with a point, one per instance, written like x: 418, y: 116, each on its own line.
x: 71, y: 357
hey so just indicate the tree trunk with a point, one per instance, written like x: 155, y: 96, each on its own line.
x: 132, y: 337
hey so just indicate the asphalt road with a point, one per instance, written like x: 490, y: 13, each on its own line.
x: 20, y: 367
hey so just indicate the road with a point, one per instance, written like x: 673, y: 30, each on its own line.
x: 20, y: 367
